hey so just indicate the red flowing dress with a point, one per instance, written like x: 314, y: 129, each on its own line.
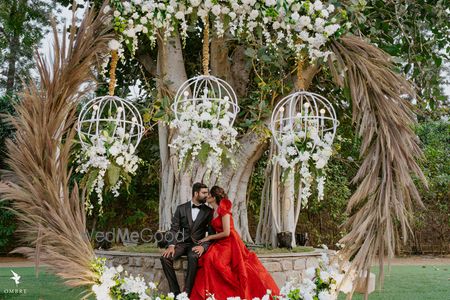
x: 229, y: 269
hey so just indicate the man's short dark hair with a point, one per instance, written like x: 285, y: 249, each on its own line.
x: 197, y: 187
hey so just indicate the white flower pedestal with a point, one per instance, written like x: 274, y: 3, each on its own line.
x: 361, y: 287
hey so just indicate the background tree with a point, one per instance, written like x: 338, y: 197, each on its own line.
x: 23, y: 25
x: 417, y: 35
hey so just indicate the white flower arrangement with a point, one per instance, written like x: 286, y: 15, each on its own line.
x: 303, y: 26
x: 323, y: 281
x: 107, y: 163
x: 205, y: 132
x: 307, y: 149
x: 115, y: 283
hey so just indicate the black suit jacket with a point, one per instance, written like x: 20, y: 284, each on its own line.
x: 183, y: 229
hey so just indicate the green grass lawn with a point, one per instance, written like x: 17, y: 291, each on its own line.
x: 402, y: 283
x: 412, y: 283
x: 45, y: 287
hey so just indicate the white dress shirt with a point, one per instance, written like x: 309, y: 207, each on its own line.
x: 194, y: 212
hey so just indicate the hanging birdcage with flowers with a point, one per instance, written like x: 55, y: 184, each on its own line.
x: 205, y: 108
x: 109, y: 131
x: 303, y: 126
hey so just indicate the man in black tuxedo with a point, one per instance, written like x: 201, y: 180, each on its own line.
x: 189, y: 225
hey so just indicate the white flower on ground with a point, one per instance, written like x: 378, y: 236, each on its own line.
x: 325, y: 295
x: 310, y: 273
x: 182, y: 296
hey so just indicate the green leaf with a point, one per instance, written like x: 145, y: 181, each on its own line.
x: 204, y: 153
x: 90, y: 180
x: 437, y: 61
x: 159, y: 115
x: 250, y: 52
x: 113, y: 174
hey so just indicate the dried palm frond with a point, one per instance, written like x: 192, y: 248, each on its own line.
x: 50, y: 213
x: 384, y: 199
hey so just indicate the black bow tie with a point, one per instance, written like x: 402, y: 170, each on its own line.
x: 196, y: 206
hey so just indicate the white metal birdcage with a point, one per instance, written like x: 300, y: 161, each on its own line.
x: 119, y: 117
x: 300, y: 114
x: 197, y: 90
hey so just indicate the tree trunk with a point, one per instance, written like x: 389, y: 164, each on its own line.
x: 14, y: 47
x: 171, y: 74
x: 280, y: 202
x: 175, y: 185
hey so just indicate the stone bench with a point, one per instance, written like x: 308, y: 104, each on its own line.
x: 282, y: 266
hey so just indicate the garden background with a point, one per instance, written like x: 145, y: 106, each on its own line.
x: 415, y: 33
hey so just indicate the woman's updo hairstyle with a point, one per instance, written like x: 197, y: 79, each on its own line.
x: 218, y: 193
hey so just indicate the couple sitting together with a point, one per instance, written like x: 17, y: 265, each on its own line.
x: 219, y: 264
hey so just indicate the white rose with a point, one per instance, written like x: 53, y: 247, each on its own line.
x: 216, y: 10
x: 114, y: 150
x: 138, y: 28
x: 254, y: 14
x: 304, y: 21
x: 120, y: 160
x: 202, y: 13
x: 271, y: 2
x: 295, y: 16
x: 330, y: 8
x: 116, y: 13
x: 114, y: 45
x: 318, y: 5
x: 276, y: 25
x: 144, y: 20
x: 130, y: 33
x: 195, y: 3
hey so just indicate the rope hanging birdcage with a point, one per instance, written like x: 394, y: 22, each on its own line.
x: 119, y: 117
x: 207, y: 90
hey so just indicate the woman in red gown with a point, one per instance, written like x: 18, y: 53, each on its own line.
x: 228, y: 268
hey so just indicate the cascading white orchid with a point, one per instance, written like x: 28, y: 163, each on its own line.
x: 297, y: 151
x: 110, y: 158
x: 303, y: 26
